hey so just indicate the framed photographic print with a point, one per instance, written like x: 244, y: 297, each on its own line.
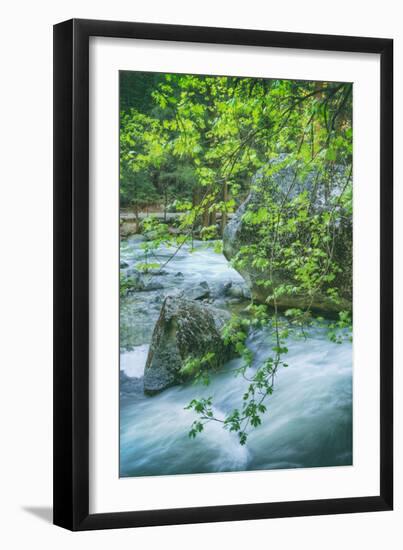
x: 223, y: 322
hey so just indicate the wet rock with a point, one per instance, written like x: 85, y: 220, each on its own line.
x: 138, y: 238
x: 226, y: 287
x: 137, y: 281
x: 186, y: 329
x: 133, y: 272
x: 133, y: 281
x: 284, y: 186
x: 156, y: 271
x: 152, y: 285
x: 198, y: 292
x: 237, y: 290
x: 129, y: 386
x: 157, y: 299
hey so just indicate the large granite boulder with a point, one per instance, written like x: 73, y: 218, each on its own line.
x: 186, y: 329
x: 282, y: 186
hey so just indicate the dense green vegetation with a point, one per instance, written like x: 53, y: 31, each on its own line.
x: 192, y: 144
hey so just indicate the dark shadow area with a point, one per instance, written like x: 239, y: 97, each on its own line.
x: 45, y: 513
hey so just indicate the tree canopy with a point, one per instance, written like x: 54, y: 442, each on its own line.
x: 203, y: 137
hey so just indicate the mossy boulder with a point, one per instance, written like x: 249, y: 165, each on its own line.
x: 185, y: 330
x: 284, y: 185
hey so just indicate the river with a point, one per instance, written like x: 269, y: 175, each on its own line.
x: 309, y: 418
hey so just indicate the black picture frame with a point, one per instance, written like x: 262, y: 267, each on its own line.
x: 71, y: 274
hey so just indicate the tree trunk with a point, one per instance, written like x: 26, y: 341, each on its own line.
x: 206, y: 213
x: 224, y: 216
x: 206, y: 218
x: 136, y: 213
x: 165, y: 204
x: 196, y: 196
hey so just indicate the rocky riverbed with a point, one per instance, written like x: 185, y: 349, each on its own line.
x: 309, y: 419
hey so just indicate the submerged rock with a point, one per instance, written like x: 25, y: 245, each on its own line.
x: 198, y: 292
x: 185, y: 330
x: 283, y: 186
x: 136, y: 239
x: 133, y: 281
x: 129, y: 386
x: 152, y: 285
x: 137, y: 281
x: 235, y: 290
x: 155, y: 271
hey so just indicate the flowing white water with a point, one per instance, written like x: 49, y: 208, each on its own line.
x: 309, y: 417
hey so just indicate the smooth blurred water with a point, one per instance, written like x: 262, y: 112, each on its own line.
x: 309, y: 417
